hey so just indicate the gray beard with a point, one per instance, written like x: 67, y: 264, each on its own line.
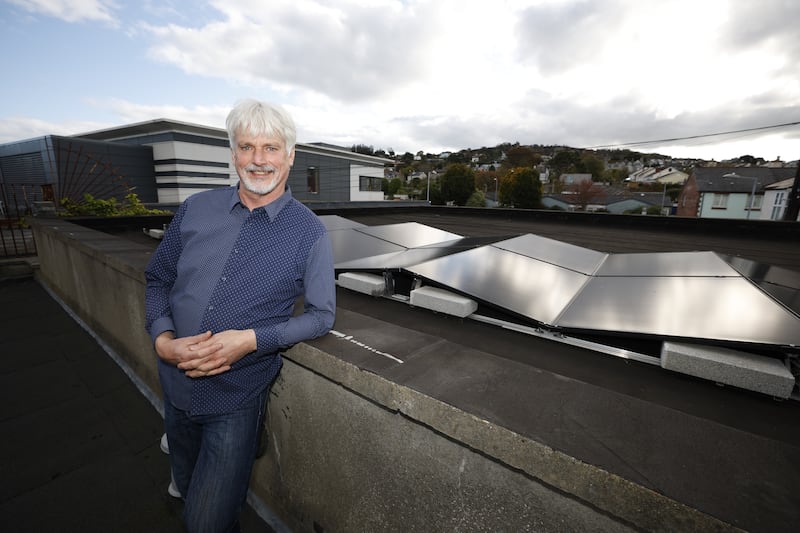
x: 260, y: 189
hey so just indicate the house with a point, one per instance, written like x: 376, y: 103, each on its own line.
x: 776, y: 199
x: 574, y: 179
x: 728, y: 192
x: 668, y: 175
x: 641, y: 175
x: 166, y: 161
x: 610, y: 200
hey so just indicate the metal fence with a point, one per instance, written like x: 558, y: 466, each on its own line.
x: 16, y: 205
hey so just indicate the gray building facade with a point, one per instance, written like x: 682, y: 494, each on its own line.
x: 52, y: 168
x: 166, y: 161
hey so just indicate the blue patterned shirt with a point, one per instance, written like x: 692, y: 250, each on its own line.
x: 221, y: 266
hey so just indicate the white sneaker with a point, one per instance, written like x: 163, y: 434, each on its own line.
x: 164, y: 444
x: 173, y: 489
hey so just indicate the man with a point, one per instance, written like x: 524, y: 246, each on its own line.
x: 220, y: 299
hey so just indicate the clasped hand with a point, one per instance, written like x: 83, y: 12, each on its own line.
x: 205, y: 354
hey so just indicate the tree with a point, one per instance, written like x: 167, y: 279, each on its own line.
x: 485, y: 180
x: 457, y: 157
x: 590, y: 164
x: 363, y: 149
x: 522, y: 156
x: 615, y: 175
x: 521, y: 188
x: 584, y: 191
x: 564, y: 162
x: 436, y: 197
x: 458, y: 183
x: 476, y: 200
x: 395, y: 184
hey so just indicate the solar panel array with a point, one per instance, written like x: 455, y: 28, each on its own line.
x: 702, y: 296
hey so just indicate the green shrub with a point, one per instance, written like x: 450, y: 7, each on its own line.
x: 96, y: 207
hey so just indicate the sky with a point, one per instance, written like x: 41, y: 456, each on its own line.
x: 418, y: 75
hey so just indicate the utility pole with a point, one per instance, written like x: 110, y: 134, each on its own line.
x: 793, y: 202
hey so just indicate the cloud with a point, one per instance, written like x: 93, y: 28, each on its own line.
x: 436, y: 75
x: 72, y: 10
x: 348, y: 51
x: 123, y: 112
x: 132, y: 112
x: 559, y: 37
x: 13, y: 129
x: 769, y: 25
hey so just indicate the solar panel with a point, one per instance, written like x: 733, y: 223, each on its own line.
x: 351, y: 244
x: 335, y: 222
x: 523, y: 285
x: 688, y: 295
x: 409, y: 234
x: 723, y: 309
x: 556, y: 252
x: 666, y: 264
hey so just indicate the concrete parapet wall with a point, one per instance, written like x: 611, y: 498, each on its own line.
x: 352, y: 451
x: 101, y: 278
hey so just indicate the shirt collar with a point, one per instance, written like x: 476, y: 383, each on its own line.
x: 272, y: 209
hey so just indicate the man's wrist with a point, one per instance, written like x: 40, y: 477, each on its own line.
x: 164, y: 336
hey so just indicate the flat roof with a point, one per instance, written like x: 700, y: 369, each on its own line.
x: 727, y: 452
x: 161, y: 125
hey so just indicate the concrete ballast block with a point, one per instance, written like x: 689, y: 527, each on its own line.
x: 371, y: 284
x: 731, y: 367
x: 442, y: 301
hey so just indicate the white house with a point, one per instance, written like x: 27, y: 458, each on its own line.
x: 776, y: 197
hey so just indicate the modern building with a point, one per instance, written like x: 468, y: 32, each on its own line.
x: 728, y: 192
x: 53, y: 167
x: 165, y: 161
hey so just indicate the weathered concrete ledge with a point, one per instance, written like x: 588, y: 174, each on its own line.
x: 353, y: 451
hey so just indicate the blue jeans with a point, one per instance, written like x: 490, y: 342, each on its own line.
x: 212, y: 457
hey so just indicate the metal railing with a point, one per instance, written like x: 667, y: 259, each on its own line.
x: 16, y: 238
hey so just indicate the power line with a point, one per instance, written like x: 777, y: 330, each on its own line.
x: 691, y: 137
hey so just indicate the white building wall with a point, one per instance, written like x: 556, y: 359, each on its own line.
x: 190, y: 184
x: 737, y: 207
x: 356, y: 195
x: 775, y: 203
x: 194, y: 152
x: 174, y: 195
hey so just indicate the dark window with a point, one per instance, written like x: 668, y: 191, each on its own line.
x: 369, y: 183
x: 47, y: 193
x: 313, y: 180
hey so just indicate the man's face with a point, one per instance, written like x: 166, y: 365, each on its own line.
x: 262, y: 163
